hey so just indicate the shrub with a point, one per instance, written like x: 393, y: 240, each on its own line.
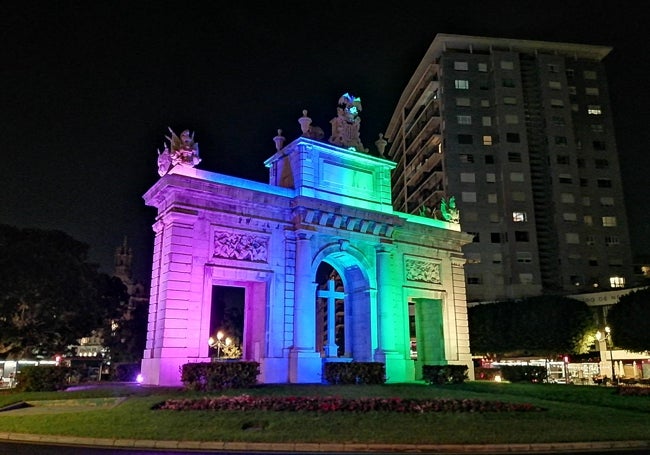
x: 355, y: 373
x: 209, y: 376
x: 444, y: 374
x: 126, y: 372
x: 43, y: 378
x: 486, y: 374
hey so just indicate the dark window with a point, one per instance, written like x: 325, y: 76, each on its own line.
x: 512, y: 137
x: 601, y: 163
x: 521, y: 236
x: 495, y: 237
x: 489, y: 159
x: 561, y: 140
x: 474, y: 280
x: 466, y: 158
x: 604, y: 183
x: 599, y: 145
x: 477, y: 237
x: 465, y: 139
x: 563, y: 159
x: 510, y: 83
x: 581, y: 163
x: 514, y: 157
x: 584, y: 183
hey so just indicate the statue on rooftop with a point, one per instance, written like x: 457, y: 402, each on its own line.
x: 449, y: 211
x: 345, y: 126
x: 181, y: 150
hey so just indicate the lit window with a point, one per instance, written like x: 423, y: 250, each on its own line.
x: 617, y: 281
x: 507, y: 65
x: 524, y: 257
x: 588, y: 220
x: 569, y: 217
x: 572, y: 238
x: 591, y: 75
x: 518, y: 196
x: 607, y: 201
x: 594, y: 109
x: 519, y: 217
x: 482, y: 67
x: 512, y: 119
x: 461, y: 65
x: 487, y: 140
x: 555, y: 85
x: 516, y: 176
x: 592, y: 91
x: 468, y: 196
x: 464, y: 119
x: 463, y: 102
x: 487, y: 120
x: 609, y: 221
x: 567, y: 198
x: 467, y: 177
x: 509, y: 100
x: 492, y: 198
x: 557, y: 103
x: 490, y: 177
x: 473, y: 258
x: 526, y: 278
x: 461, y: 84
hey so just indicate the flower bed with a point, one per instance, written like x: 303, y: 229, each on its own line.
x: 332, y: 404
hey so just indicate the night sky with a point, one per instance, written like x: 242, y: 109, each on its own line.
x: 89, y: 88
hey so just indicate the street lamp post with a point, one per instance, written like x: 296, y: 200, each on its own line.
x: 605, y: 337
x: 219, y: 343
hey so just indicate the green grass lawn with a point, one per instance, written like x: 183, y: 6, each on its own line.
x: 572, y: 414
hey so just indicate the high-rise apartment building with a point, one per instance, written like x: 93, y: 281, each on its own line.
x: 520, y: 134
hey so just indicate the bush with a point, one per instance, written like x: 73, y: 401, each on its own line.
x: 523, y: 373
x: 126, y: 372
x: 355, y: 373
x: 444, y: 374
x: 486, y: 374
x: 43, y: 378
x: 209, y: 376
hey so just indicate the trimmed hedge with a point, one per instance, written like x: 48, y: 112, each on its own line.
x: 444, y: 374
x: 43, y: 378
x: 523, y: 373
x: 209, y: 376
x: 355, y: 372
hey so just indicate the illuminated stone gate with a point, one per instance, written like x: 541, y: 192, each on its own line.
x: 329, y: 271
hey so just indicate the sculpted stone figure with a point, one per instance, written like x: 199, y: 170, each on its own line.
x: 345, y: 126
x: 449, y: 211
x: 181, y: 150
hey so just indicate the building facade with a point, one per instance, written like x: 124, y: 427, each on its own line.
x: 519, y: 134
x: 325, y: 269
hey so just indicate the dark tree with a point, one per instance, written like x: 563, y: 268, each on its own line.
x: 50, y: 296
x: 545, y: 325
x: 629, y: 320
x: 126, y: 337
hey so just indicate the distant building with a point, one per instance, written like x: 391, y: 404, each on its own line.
x: 519, y: 135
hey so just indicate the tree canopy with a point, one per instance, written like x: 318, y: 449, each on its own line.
x: 544, y: 325
x: 629, y: 320
x: 50, y: 295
